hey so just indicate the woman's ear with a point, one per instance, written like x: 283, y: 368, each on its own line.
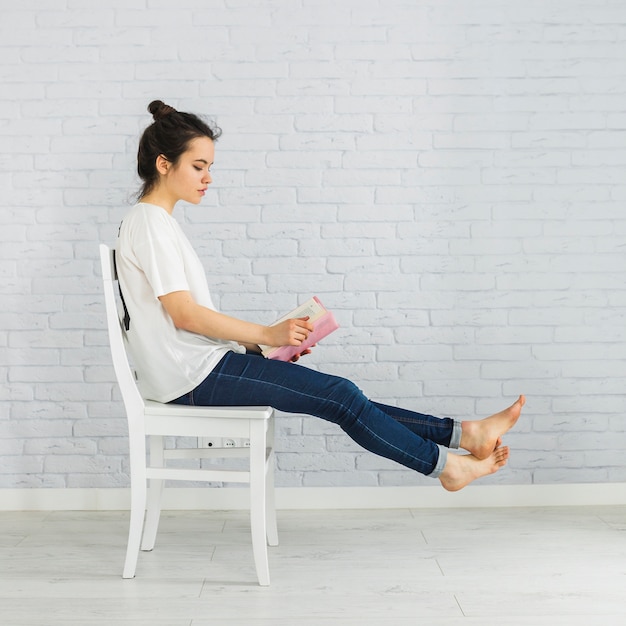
x: 162, y: 165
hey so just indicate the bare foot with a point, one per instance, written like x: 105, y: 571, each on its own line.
x: 482, y: 437
x: 462, y: 469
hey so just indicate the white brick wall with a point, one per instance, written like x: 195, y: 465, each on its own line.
x: 448, y: 176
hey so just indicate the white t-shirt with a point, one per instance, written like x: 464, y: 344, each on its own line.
x: 154, y: 258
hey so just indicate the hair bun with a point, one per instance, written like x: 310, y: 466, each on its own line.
x: 159, y: 109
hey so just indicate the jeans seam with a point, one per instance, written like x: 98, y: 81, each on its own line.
x: 306, y: 395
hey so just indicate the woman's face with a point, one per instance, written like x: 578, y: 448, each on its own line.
x: 189, y: 178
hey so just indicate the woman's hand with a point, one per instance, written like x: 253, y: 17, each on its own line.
x: 291, y: 332
x: 296, y: 357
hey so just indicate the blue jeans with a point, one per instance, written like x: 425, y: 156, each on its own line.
x: 416, y: 441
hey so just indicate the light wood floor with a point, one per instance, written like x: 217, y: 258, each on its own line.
x: 526, y: 567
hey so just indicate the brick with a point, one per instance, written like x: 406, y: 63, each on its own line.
x: 30, y: 464
x: 303, y: 462
x: 339, y: 479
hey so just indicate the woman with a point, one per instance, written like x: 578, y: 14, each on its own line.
x: 186, y: 352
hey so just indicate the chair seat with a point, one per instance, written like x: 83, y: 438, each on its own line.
x: 230, y: 412
x: 200, y: 421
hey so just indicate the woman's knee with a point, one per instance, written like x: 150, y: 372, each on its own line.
x: 348, y: 399
x: 345, y: 388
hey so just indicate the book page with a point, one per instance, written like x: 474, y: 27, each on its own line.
x: 311, y: 308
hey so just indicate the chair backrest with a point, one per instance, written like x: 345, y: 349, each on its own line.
x: 123, y: 372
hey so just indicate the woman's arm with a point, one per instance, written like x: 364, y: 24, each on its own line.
x: 188, y: 315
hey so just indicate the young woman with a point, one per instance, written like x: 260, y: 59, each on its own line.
x: 187, y: 352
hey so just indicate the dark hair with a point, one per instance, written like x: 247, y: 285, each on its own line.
x: 169, y: 135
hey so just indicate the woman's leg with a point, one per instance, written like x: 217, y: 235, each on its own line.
x: 444, y: 431
x: 409, y: 438
x: 241, y: 379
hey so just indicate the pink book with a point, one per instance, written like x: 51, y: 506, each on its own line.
x: 323, y: 321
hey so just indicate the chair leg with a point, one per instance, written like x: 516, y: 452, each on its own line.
x: 270, y: 499
x: 138, y: 494
x: 155, y: 493
x: 257, y: 501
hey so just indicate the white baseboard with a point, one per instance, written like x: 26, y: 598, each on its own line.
x: 323, y: 497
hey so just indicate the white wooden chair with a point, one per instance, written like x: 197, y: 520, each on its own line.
x: 154, y: 421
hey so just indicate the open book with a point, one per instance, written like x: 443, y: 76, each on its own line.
x: 323, y: 322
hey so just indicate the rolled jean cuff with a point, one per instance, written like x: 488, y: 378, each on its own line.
x: 441, y: 462
x: 455, y: 439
